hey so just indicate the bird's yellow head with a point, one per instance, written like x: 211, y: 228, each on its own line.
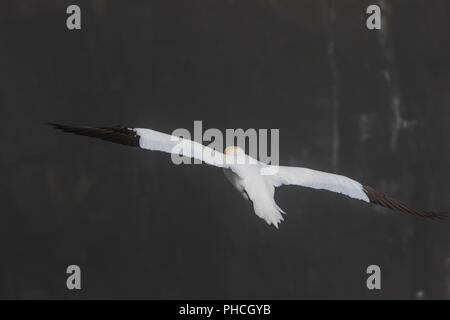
x: 231, y: 149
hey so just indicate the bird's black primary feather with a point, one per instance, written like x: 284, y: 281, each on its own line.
x: 117, y: 134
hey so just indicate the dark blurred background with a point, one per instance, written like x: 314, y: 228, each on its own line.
x: 373, y: 105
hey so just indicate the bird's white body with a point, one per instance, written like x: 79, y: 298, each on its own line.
x: 246, y: 177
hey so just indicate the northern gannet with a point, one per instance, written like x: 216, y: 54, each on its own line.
x: 244, y: 172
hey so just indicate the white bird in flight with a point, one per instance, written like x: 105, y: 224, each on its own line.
x: 244, y: 172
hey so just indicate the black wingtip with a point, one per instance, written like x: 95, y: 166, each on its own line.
x: 55, y: 125
x: 118, y: 134
x: 58, y: 126
x: 383, y: 200
x: 440, y: 215
x: 49, y: 123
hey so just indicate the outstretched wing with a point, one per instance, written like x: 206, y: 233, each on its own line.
x: 149, y: 140
x: 336, y: 183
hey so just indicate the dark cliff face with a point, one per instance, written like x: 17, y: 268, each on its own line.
x: 368, y: 104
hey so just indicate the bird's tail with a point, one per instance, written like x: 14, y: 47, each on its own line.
x: 268, y: 210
